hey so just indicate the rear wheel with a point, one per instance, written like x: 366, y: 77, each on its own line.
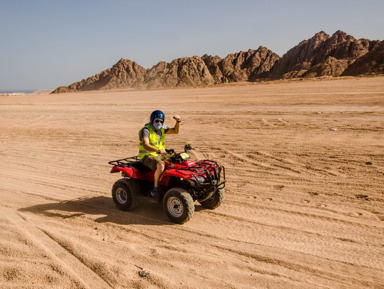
x: 178, y: 205
x: 215, y: 200
x: 124, y: 194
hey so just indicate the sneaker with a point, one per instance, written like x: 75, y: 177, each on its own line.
x: 154, y: 193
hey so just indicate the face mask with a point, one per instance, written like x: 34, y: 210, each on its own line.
x: 157, y: 123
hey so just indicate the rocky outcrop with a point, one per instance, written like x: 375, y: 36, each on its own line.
x: 181, y: 72
x: 322, y: 55
x: 372, y: 63
x: 124, y: 74
x: 85, y: 84
x: 242, y: 66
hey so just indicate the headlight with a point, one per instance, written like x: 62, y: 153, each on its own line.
x: 200, y: 179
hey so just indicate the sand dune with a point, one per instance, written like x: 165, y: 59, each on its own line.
x: 304, y: 203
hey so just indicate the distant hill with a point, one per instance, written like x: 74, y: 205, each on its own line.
x: 322, y: 55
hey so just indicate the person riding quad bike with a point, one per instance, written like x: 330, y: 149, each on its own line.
x: 152, y: 144
x: 161, y: 175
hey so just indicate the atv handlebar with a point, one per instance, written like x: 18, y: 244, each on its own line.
x: 187, y: 148
x: 170, y: 151
x: 172, y: 156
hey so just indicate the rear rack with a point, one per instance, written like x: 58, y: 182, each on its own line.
x: 124, y: 162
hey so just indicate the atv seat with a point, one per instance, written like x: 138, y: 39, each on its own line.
x: 140, y: 166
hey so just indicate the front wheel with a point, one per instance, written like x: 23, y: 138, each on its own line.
x: 215, y: 200
x: 178, y: 205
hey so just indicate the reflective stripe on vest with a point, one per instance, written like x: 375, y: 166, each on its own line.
x: 153, y: 141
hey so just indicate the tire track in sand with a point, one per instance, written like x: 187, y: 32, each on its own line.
x: 275, y: 164
x: 72, y: 265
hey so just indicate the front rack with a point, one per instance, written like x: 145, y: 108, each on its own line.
x: 201, y: 167
x: 214, y: 173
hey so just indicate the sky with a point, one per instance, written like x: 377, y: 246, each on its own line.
x: 49, y: 43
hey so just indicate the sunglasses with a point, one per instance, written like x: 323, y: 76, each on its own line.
x: 159, y: 121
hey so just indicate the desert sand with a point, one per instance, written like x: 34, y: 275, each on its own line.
x: 304, y: 204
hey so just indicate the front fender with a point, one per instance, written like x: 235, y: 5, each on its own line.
x: 173, y: 173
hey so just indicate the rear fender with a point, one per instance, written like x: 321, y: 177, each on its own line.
x: 116, y: 169
x: 127, y: 170
x: 134, y: 173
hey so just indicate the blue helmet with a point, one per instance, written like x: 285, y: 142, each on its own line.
x: 157, y: 114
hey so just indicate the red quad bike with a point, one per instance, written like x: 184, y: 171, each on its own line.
x: 182, y: 182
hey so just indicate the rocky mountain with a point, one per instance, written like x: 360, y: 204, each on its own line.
x: 186, y: 71
x: 322, y: 55
x: 124, y: 74
x: 372, y: 63
x: 242, y: 66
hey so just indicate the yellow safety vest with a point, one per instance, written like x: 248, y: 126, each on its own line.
x: 153, y: 141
